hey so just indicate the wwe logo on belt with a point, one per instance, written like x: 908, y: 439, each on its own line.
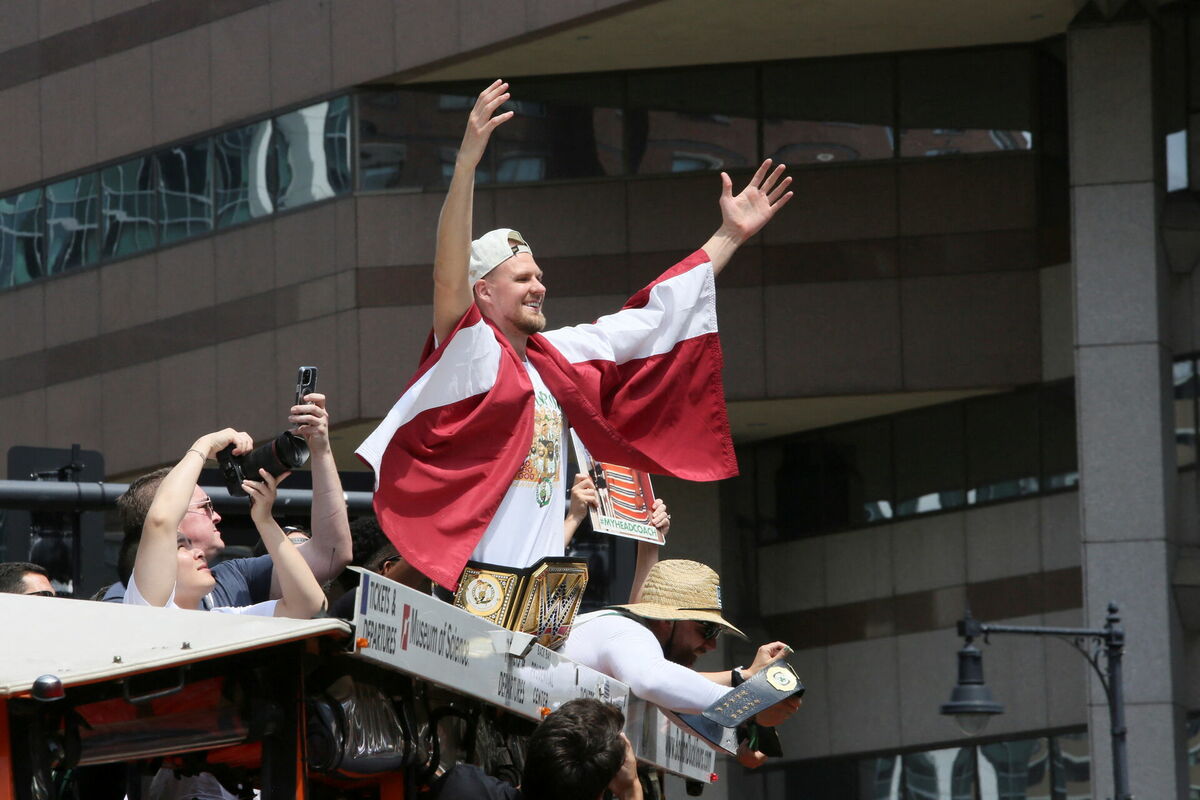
x: 555, y: 607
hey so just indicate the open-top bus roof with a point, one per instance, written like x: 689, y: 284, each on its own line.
x: 81, y: 642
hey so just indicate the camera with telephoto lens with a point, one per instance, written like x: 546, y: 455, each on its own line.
x: 286, y: 451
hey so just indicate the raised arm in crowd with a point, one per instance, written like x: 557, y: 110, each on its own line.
x: 329, y: 549
x: 169, y: 571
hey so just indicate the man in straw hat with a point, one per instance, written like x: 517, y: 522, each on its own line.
x: 651, y: 645
x: 469, y: 463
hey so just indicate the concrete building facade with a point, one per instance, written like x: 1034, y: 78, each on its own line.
x: 961, y: 364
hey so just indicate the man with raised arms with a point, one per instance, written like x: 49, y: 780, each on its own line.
x: 470, y: 461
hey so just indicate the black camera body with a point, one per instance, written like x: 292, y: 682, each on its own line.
x: 286, y: 451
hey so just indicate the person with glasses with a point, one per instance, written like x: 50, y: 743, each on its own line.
x: 245, y: 581
x: 169, y: 570
x: 651, y: 645
x: 24, y: 577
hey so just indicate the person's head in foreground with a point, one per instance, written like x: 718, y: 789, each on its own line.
x: 681, y: 605
x: 577, y: 752
x: 507, y: 282
x: 24, y: 577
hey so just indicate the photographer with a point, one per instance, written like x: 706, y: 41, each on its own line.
x: 245, y: 581
x: 169, y: 571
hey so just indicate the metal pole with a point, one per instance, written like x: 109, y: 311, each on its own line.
x: 98, y: 496
x: 1114, y: 640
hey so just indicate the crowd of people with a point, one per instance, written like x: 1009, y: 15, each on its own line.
x: 471, y: 468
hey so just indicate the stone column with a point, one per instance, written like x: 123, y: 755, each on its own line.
x: 1124, y: 388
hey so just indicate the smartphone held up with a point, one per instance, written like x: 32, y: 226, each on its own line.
x: 285, y: 452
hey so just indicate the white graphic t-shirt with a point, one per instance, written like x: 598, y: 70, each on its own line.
x: 529, y: 523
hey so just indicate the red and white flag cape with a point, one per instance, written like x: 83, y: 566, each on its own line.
x: 642, y: 388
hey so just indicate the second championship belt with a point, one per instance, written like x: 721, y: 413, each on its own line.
x: 541, y: 600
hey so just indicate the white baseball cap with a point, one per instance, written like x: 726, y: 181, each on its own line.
x: 493, y: 249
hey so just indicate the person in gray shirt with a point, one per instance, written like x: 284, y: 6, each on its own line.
x: 246, y: 581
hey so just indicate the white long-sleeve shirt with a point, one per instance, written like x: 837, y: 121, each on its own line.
x: 625, y: 649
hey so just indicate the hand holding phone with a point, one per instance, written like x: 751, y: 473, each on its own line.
x: 312, y: 425
x: 306, y: 383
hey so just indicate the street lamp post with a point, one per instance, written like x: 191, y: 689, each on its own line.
x: 971, y: 702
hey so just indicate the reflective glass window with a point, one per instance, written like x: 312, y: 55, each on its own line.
x: 1052, y: 103
x: 947, y: 774
x: 72, y: 223
x: 859, y: 462
x: 241, y: 158
x: 879, y: 778
x: 1042, y: 768
x: 1184, y: 375
x: 21, y: 218
x: 689, y: 120
x: 1016, y: 770
x: 930, y: 474
x: 312, y: 153
x: 800, y: 488
x: 1174, y: 105
x: 563, y: 128
x: 833, y: 479
x: 1193, y: 758
x: 1002, y: 446
x: 834, y: 777
x: 817, y: 112
x: 130, y: 213
x: 409, y: 139
x: 1072, y: 765
x: 977, y: 101
x: 740, y: 495
x: 184, y: 191
x: 1056, y: 426
x: 1177, y: 160
x: 769, y: 461
x: 337, y: 144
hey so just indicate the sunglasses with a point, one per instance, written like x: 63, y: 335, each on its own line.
x: 204, y: 507
x: 387, y: 562
x: 42, y: 593
x: 710, y: 630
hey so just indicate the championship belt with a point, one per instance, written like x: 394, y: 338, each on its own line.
x: 775, y: 682
x: 540, y: 600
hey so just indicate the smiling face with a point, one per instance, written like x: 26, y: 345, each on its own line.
x: 512, y: 295
x: 199, y: 525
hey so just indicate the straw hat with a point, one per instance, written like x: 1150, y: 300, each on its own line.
x: 679, y: 589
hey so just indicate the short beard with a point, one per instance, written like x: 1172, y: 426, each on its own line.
x: 530, y: 326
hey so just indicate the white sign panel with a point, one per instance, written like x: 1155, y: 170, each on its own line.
x: 418, y: 634
x: 658, y: 740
